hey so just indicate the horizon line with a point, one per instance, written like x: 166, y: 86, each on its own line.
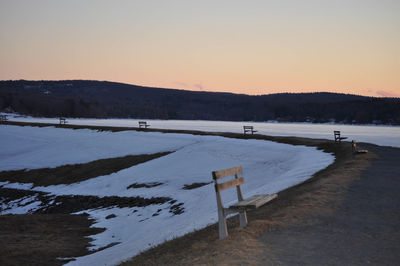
x: 200, y: 90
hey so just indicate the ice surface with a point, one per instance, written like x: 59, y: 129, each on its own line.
x: 380, y: 135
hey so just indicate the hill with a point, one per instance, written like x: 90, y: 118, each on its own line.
x: 100, y: 99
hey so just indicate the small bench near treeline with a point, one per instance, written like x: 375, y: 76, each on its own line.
x: 63, y: 121
x: 337, y: 136
x: 3, y: 118
x: 143, y: 124
x: 248, y: 130
x: 242, y: 205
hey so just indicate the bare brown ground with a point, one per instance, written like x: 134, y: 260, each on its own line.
x: 36, y: 239
x: 72, y: 173
x: 321, y: 194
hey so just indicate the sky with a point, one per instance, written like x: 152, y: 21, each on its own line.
x: 252, y: 47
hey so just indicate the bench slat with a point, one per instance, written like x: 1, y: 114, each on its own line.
x: 254, y: 201
x: 227, y: 172
x: 231, y: 183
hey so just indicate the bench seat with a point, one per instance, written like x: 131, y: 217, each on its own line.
x: 253, y: 202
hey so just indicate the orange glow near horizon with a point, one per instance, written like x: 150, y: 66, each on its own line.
x: 257, y: 47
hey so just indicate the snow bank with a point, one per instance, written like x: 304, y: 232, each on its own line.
x: 31, y: 147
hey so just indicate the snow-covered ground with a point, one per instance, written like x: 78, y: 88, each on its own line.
x: 268, y: 168
x: 30, y: 147
x: 380, y: 135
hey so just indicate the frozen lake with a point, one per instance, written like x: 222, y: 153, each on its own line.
x: 380, y: 135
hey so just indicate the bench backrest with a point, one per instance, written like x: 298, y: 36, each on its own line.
x: 336, y: 133
x: 227, y: 172
x: 247, y: 127
x: 236, y: 182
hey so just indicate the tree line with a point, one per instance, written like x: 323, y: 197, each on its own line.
x: 100, y: 99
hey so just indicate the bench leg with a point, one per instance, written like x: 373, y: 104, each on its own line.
x: 222, y: 228
x: 243, y: 218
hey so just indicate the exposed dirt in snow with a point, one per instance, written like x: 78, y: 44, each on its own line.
x: 145, y: 185
x: 38, y: 239
x: 50, y: 231
x: 68, y: 174
x: 75, y: 203
x: 195, y: 185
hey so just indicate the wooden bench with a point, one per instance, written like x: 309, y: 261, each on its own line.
x: 338, y: 138
x: 143, y: 124
x: 242, y: 205
x: 248, y: 130
x: 354, y: 148
x: 63, y: 121
x: 3, y: 118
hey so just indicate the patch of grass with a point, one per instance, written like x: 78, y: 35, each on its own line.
x: 75, y: 203
x: 72, y: 173
x: 177, y: 209
x: 65, y: 204
x: 145, y: 185
x: 36, y: 239
x: 195, y: 185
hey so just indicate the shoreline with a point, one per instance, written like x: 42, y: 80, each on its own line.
x: 200, y: 120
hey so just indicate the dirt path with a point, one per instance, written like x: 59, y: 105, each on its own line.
x: 365, y: 229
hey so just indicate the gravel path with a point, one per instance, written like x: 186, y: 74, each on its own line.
x: 365, y: 229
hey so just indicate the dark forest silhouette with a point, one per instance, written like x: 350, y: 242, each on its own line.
x: 101, y: 99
